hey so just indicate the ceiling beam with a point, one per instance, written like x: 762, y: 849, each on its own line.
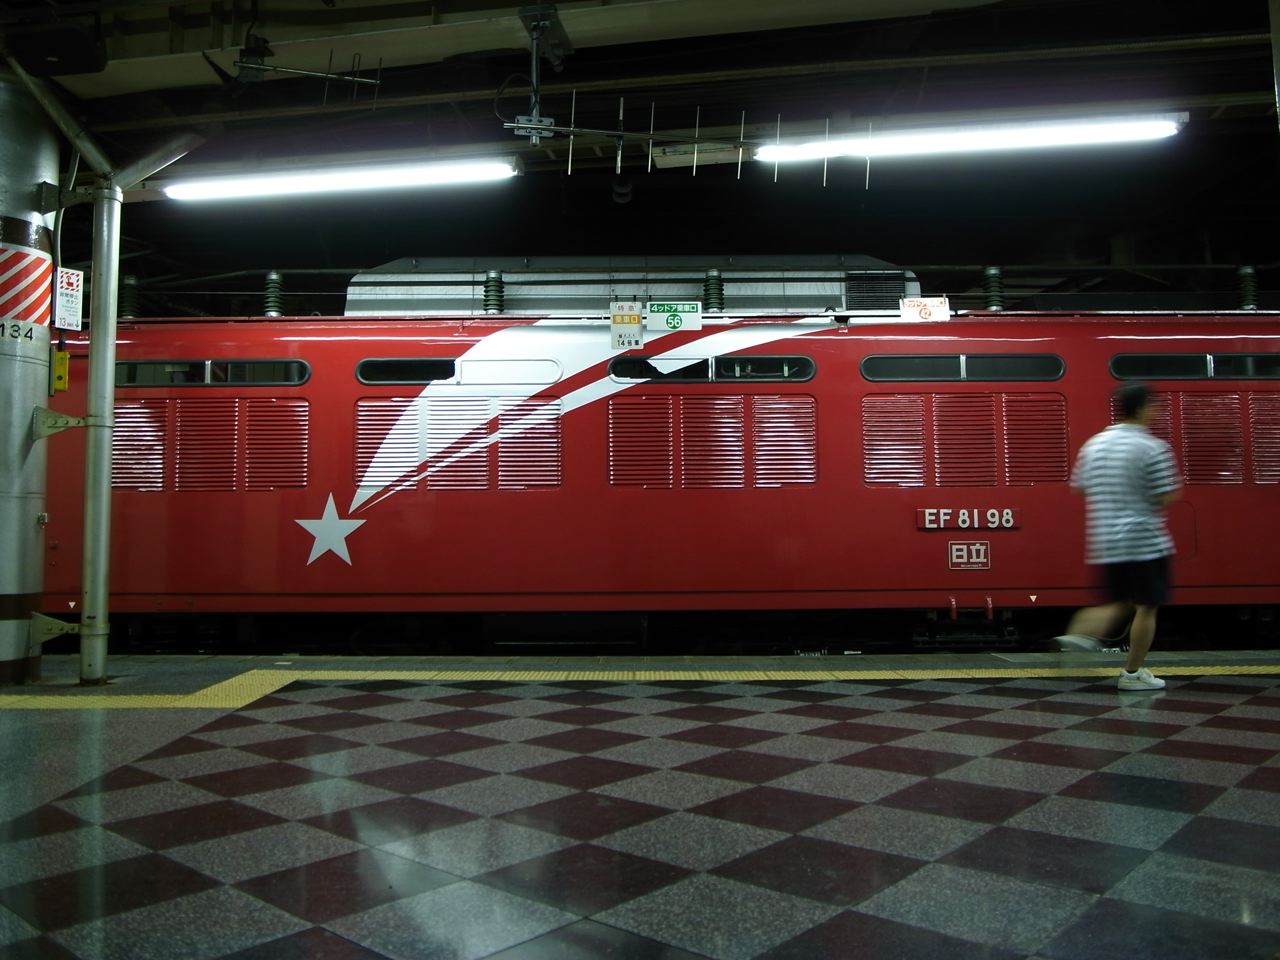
x: 704, y: 78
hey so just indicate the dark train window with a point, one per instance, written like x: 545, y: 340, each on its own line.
x: 161, y: 373
x: 169, y: 373
x: 1246, y: 366
x: 669, y: 369
x: 1160, y: 366
x: 405, y: 370
x: 770, y: 369
x: 1012, y: 366
x: 257, y: 372
x: 967, y: 366
x: 912, y: 367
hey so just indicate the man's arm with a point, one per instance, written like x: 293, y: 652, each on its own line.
x: 1164, y: 478
x: 1078, y: 470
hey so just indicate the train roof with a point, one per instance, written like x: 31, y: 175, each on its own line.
x: 818, y: 319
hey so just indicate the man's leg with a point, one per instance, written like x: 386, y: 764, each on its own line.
x: 1141, y: 633
x: 1100, y: 621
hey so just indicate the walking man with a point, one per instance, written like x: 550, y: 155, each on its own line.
x: 1128, y: 477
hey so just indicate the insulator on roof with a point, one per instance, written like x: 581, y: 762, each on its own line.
x: 993, y: 287
x: 273, y: 299
x: 494, y: 293
x: 713, y: 291
x: 127, y: 297
x: 1248, y: 278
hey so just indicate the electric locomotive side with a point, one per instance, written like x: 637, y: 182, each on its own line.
x: 224, y: 433
x: 523, y: 465
x: 544, y: 471
x: 969, y: 431
x: 963, y: 433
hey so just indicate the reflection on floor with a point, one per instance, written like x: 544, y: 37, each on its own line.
x: 1000, y: 819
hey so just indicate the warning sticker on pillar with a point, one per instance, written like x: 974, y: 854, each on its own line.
x: 26, y: 284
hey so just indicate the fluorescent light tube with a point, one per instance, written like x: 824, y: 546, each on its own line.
x: 977, y: 139
x: 343, y: 179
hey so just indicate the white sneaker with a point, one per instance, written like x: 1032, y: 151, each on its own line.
x: 1142, y: 680
x: 1078, y: 641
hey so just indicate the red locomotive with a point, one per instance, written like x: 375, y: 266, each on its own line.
x: 506, y: 464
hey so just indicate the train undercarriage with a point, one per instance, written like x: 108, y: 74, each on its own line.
x: 830, y: 633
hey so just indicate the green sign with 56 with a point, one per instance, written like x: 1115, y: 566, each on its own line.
x: 670, y: 315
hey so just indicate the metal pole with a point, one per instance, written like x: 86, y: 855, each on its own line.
x: 73, y: 131
x: 94, y: 625
x: 535, y: 93
x: 175, y: 148
x: 107, y: 199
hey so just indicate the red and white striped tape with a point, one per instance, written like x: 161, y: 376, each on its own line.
x: 26, y: 284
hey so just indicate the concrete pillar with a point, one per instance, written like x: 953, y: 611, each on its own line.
x: 28, y: 156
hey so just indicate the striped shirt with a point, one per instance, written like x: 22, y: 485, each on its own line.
x: 1123, y: 471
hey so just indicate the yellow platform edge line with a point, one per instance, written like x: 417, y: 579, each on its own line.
x: 242, y: 690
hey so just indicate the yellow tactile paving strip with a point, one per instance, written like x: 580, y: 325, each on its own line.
x: 252, y: 685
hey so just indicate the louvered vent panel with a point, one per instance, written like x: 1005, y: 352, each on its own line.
x: 893, y: 440
x: 1035, y: 437
x: 205, y: 450
x: 529, y: 444
x: 875, y: 289
x: 713, y: 432
x: 1212, y: 438
x: 275, y: 447
x: 1264, y: 428
x: 784, y: 435
x: 138, y: 444
x: 1161, y: 423
x: 964, y: 430
x: 641, y: 448
x: 387, y: 440
x: 457, y: 434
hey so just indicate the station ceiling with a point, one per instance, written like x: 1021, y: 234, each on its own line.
x: 1163, y: 220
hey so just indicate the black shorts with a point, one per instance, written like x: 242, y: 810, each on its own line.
x: 1144, y: 582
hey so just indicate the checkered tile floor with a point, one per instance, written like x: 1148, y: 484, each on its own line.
x: 1049, y: 819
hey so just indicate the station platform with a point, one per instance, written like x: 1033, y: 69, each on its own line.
x: 1011, y: 806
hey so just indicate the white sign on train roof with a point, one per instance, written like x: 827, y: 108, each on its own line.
x: 918, y: 309
x: 627, y: 332
x: 673, y: 315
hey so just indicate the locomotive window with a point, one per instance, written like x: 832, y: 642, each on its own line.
x: 257, y: 372
x: 168, y: 373
x: 158, y: 373
x: 1246, y: 366
x: 1160, y: 366
x: 912, y: 367
x: 1019, y: 366
x: 968, y: 366
x: 405, y: 370
x: 510, y: 371
x: 670, y: 369
x: 771, y: 369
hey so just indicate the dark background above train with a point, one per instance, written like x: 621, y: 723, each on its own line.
x: 1159, y: 225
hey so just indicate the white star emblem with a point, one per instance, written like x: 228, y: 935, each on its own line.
x: 330, y: 532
